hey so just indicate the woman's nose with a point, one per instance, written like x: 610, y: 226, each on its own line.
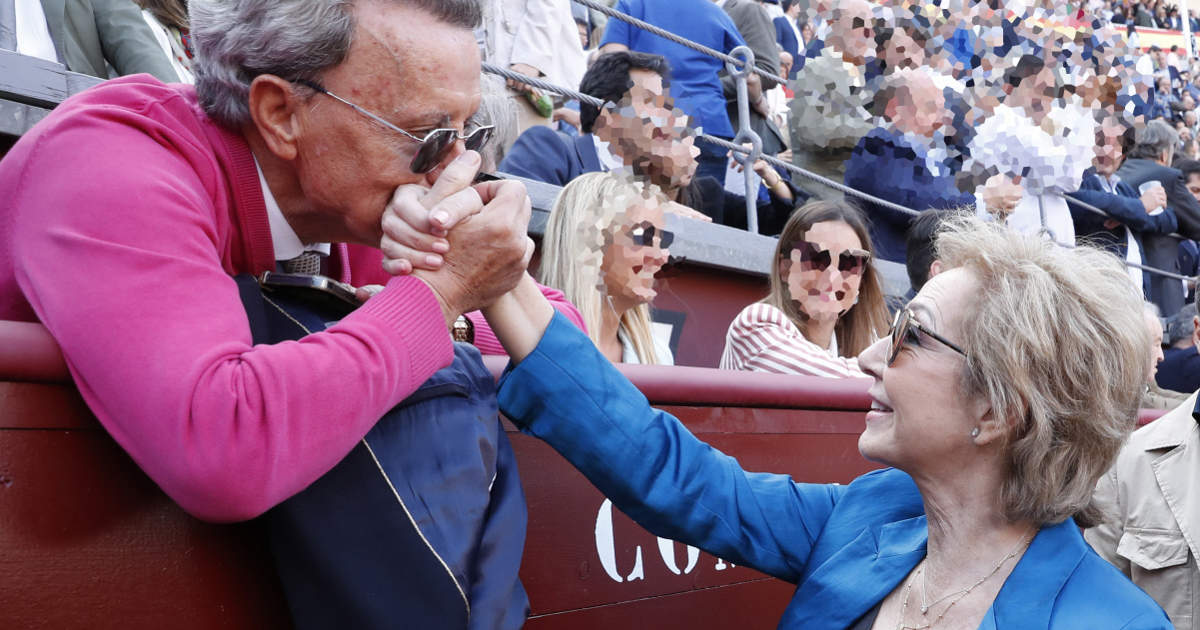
x: 872, y: 360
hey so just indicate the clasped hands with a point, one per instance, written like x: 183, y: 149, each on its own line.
x: 468, y: 242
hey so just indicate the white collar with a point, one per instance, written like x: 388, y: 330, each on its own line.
x: 607, y: 158
x: 287, y: 245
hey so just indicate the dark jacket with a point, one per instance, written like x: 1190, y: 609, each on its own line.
x: 845, y: 547
x: 546, y: 155
x: 1126, y: 208
x: 786, y: 38
x: 86, y: 34
x: 1179, y: 370
x: 883, y: 164
x: 1161, y: 251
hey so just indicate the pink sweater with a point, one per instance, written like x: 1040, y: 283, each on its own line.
x: 122, y: 216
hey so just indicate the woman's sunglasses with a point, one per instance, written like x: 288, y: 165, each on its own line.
x: 904, y: 330
x: 643, y: 235
x: 851, y: 261
x: 436, y: 144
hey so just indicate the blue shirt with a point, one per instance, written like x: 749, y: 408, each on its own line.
x: 695, y: 85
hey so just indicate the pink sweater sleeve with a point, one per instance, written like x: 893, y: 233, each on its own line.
x: 486, y: 340
x: 117, y: 249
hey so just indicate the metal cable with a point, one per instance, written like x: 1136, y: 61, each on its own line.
x: 646, y: 26
x: 721, y: 142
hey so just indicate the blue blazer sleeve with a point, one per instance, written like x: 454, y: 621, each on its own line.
x: 1126, y: 209
x: 542, y: 154
x: 653, y: 468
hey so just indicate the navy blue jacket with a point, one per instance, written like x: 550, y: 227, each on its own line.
x: 845, y: 547
x: 883, y: 164
x: 1179, y: 370
x: 786, y: 38
x: 545, y: 155
x: 1126, y: 207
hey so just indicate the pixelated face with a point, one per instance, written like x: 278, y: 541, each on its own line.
x: 1193, y: 185
x: 650, y: 134
x: 852, y: 31
x: 1108, y: 151
x: 824, y: 269
x: 902, y: 51
x: 920, y: 109
x: 1034, y: 95
x: 638, y: 250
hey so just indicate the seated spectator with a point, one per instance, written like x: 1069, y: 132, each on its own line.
x: 899, y: 43
x: 537, y: 38
x: 1047, y: 145
x: 604, y: 242
x: 87, y: 36
x: 1154, y: 397
x: 699, y: 91
x: 902, y: 162
x: 1130, y: 216
x: 829, y: 112
x: 1149, y: 494
x: 646, y: 133
x: 168, y: 20
x: 825, y: 304
x: 1148, y: 161
x: 921, y: 261
x: 1180, y: 367
x: 129, y: 263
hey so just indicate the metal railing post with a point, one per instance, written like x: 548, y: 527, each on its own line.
x: 745, y: 134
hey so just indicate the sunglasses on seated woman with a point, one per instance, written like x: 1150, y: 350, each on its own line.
x: 813, y: 258
x: 643, y: 235
x: 436, y: 144
x: 904, y: 330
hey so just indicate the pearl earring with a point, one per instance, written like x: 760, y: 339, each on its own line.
x: 975, y: 432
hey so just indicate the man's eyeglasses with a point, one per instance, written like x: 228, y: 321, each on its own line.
x: 643, y: 235
x: 812, y: 258
x: 904, y: 330
x: 436, y: 144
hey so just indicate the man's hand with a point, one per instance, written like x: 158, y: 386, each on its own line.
x: 1001, y: 194
x: 570, y: 116
x: 525, y: 69
x: 417, y: 220
x: 488, y: 253
x: 1154, y: 199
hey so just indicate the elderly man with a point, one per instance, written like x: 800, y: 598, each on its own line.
x: 903, y: 161
x: 310, y: 122
x: 1153, y: 151
x: 829, y: 112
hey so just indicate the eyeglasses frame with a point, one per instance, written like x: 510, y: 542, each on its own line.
x: 910, y: 319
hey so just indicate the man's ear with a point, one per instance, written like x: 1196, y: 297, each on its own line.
x: 273, y: 107
x: 935, y: 268
x: 1196, y: 332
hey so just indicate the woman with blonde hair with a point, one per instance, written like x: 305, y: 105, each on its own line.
x: 825, y: 303
x: 995, y: 410
x: 603, y: 244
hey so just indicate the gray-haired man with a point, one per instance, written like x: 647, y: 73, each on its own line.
x: 309, y: 119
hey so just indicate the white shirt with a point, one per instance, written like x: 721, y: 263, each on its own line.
x: 662, y: 350
x: 1133, y: 252
x: 33, y: 36
x: 609, y: 161
x: 283, y: 237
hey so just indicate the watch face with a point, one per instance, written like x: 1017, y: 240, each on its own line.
x: 463, y: 330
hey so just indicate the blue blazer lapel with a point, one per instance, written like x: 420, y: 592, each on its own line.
x: 857, y: 576
x: 1027, y: 598
x: 585, y: 147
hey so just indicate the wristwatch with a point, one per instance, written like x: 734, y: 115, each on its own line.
x: 463, y: 330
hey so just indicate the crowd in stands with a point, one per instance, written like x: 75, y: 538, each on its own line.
x: 990, y: 122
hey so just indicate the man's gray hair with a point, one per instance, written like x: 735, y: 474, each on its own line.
x: 1151, y: 140
x: 237, y: 40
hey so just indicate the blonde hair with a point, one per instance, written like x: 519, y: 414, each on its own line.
x: 1057, y: 344
x: 858, y: 327
x: 585, y: 217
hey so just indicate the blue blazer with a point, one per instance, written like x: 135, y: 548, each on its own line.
x: 883, y: 164
x: 845, y: 547
x: 786, y: 38
x: 546, y: 155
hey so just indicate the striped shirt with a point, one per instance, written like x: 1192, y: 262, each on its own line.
x: 763, y: 339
